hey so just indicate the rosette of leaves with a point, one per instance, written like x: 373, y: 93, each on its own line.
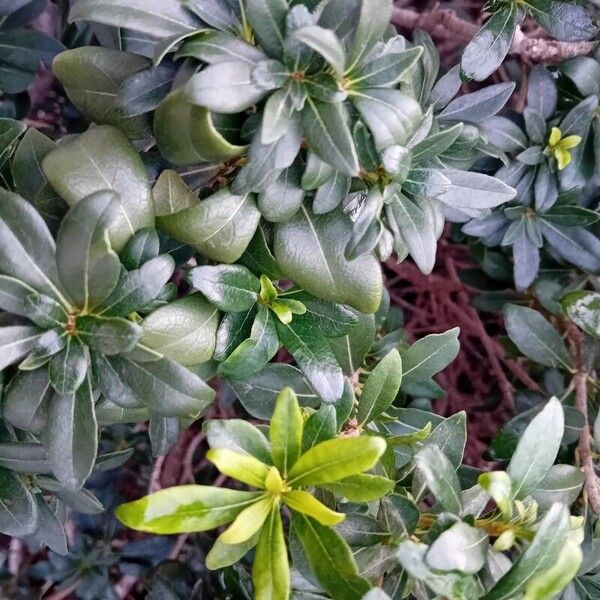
x: 363, y: 123
x: 280, y: 468
x: 541, y: 238
x: 24, y: 49
x: 74, y: 306
x: 548, y: 151
x: 568, y: 21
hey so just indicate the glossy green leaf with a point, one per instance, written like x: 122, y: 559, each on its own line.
x: 460, y: 548
x: 535, y: 337
x: 68, y: 368
x: 310, y: 250
x: 25, y: 402
x: 92, y: 77
x: 268, y: 18
x: 26, y: 167
x: 440, y: 476
x: 239, y: 436
x: 361, y: 488
x: 232, y: 288
x: 330, y: 559
x: 186, y: 508
x: 161, y: 20
x: 171, y: 194
x: 184, y: 330
x: 18, y: 510
x: 72, y: 439
x: 537, y: 449
x: 285, y: 431
x: 219, y: 227
x: 243, y: 467
x: 271, y: 570
x: 103, y: 159
x: 380, y: 388
x: 336, y: 459
x: 313, y: 355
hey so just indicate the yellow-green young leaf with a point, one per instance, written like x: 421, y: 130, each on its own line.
x: 305, y: 503
x: 548, y: 584
x: 361, y: 488
x: 271, y: 569
x: 381, y: 387
x: 286, y: 429
x: 242, y: 467
x: 499, y: 486
x: 248, y: 522
x: 224, y: 555
x: 336, y: 459
x: 186, y: 508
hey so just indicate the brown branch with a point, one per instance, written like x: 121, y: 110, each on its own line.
x: 444, y: 24
x: 592, y: 483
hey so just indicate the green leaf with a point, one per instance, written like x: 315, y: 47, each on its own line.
x: 328, y: 135
x: 390, y: 115
x: 380, y: 388
x: 171, y: 194
x: 537, y: 449
x: 88, y: 267
x: 486, y: 51
x: 25, y: 458
x: 257, y: 394
x: 239, y: 436
x: 248, y: 522
x: 68, y: 368
x: 92, y: 78
x: 385, y: 70
x: 461, y: 548
x: 25, y: 402
x: 27, y: 250
x: 219, y: 46
x: 185, y: 508
x: 268, y: 19
x: 548, y: 584
x: 160, y: 20
x: 231, y: 288
x: 243, y: 467
x: 562, y: 483
x: 271, y: 569
x: 187, y: 134
x: 374, y: 19
x: 109, y: 335
x: 324, y: 42
x: 18, y: 511
x: 103, y: 159
x: 26, y: 167
x: 330, y: 559
x: 303, y: 502
x: 226, y: 87
x: 314, y: 356
x: 310, y: 250
x: 168, y: 388
x: 583, y: 308
x: 478, y: 106
x: 219, y: 227
x: 143, y: 91
x: 47, y: 345
x: 440, y: 476
x: 411, y: 556
x: 72, y: 436
x: 361, y: 488
x: 184, y: 330
x: 253, y: 354
x: 319, y: 427
x: 16, y: 341
x: 137, y: 289
x: 428, y: 356
x: 562, y: 20
x: 285, y: 431
x: 336, y: 459
x: 224, y: 555
x: 542, y: 553
x: 535, y: 337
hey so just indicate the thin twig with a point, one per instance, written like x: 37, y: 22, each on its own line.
x: 444, y: 24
